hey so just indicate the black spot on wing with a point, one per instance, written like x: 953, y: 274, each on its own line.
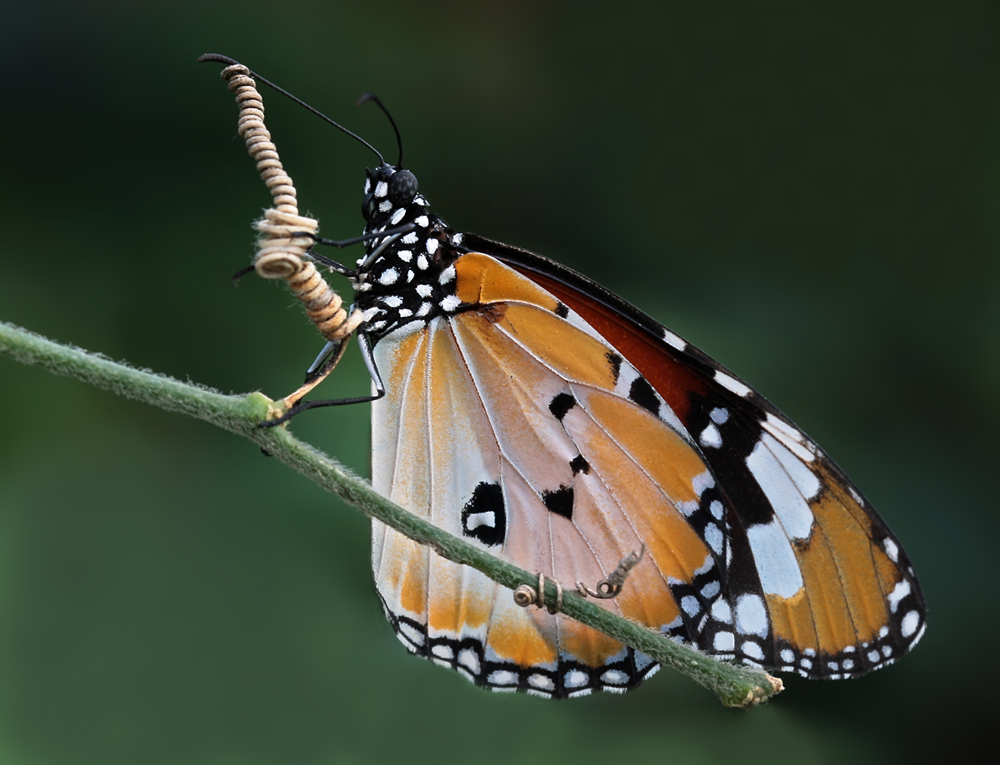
x: 642, y: 393
x: 484, y: 516
x: 616, y: 364
x: 562, y: 310
x: 560, y: 404
x: 559, y: 501
x: 579, y: 465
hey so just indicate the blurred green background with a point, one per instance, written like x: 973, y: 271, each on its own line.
x: 810, y: 195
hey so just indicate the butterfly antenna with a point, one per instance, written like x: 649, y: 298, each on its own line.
x: 399, y: 141
x: 233, y: 62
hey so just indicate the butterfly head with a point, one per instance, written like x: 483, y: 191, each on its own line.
x: 389, y: 190
x: 406, y: 276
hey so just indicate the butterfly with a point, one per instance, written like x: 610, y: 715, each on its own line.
x: 528, y: 410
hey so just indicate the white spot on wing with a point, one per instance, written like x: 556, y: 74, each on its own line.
x: 475, y: 520
x: 721, y: 612
x: 805, y: 479
x: 710, y: 437
x: 752, y: 649
x: 502, y: 677
x: 690, y: 605
x: 467, y: 658
x: 542, y: 682
x: 713, y: 535
x: 731, y: 383
x: 701, y: 482
x: 790, y: 437
x: 614, y: 677
x: 442, y: 651
x: 775, y: 559
x: 899, y: 592
x: 782, y: 488
x: 724, y: 641
x: 909, y: 623
x: 751, y: 616
x: 672, y: 340
x: 891, y: 549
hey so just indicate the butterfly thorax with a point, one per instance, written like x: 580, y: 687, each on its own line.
x: 408, y: 276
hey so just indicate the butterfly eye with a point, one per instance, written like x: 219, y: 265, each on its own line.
x: 402, y: 188
x: 369, y: 207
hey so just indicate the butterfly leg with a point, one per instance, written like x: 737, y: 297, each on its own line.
x: 325, y: 363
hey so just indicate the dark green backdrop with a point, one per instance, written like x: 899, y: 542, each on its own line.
x: 811, y: 196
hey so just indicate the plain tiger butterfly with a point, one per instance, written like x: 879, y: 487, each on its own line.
x: 525, y: 408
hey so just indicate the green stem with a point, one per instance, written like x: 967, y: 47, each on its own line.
x: 735, y: 686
